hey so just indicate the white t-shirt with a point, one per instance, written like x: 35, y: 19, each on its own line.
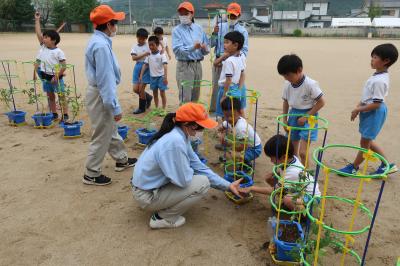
x: 376, y: 88
x: 232, y: 67
x: 138, y: 50
x: 292, y: 174
x: 49, y: 58
x: 302, y: 96
x: 244, y: 130
x: 156, y: 64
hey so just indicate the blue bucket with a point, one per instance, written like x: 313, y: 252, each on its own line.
x: 247, y: 179
x: 123, y: 131
x: 285, y: 251
x: 145, y: 135
x: 16, y: 117
x: 195, y: 144
x: 44, y: 119
x: 72, y: 130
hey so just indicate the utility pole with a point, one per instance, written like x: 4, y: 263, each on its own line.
x: 130, y: 13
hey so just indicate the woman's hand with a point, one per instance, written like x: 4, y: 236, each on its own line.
x: 234, y: 187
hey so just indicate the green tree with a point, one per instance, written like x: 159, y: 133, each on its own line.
x: 58, y: 15
x: 374, y: 11
x: 20, y: 11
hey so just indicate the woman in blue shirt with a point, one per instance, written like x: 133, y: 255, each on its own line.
x: 169, y: 178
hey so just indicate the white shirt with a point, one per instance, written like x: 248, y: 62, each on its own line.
x: 376, y: 88
x: 156, y: 64
x: 49, y: 58
x: 303, y: 95
x: 138, y: 50
x: 232, y: 67
x: 244, y: 130
x: 292, y: 174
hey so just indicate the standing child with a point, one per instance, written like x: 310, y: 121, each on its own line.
x: 47, y: 61
x: 243, y: 130
x: 139, y: 53
x: 232, y: 73
x: 304, y: 97
x: 157, y: 63
x: 275, y: 149
x: 372, y: 108
x: 159, y: 32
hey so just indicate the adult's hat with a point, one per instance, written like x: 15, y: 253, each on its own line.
x: 186, y: 5
x: 194, y: 112
x: 103, y: 14
x: 234, y: 8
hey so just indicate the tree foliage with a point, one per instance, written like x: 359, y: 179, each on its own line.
x: 20, y: 11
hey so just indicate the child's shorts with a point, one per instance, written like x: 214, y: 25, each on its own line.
x: 252, y: 153
x: 158, y: 83
x: 136, y: 74
x: 372, y: 122
x: 53, y: 87
x: 296, y: 135
x: 235, y: 92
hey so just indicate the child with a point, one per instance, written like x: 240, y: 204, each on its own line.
x: 48, y: 58
x: 242, y: 130
x: 139, y: 53
x: 304, y: 97
x: 372, y: 107
x: 157, y: 63
x: 159, y: 32
x: 275, y: 149
x: 232, y: 73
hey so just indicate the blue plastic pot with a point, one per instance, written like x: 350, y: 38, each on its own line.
x: 247, y: 179
x: 145, y: 135
x: 195, y: 145
x: 123, y: 131
x: 285, y: 251
x: 72, y: 129
x: 44, y: 119
x: 16, y: 117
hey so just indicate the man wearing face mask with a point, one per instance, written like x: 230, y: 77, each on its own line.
x: 190, y: 45
x: 169, y: 178
x: 103, y: 74
x: 217, y: 40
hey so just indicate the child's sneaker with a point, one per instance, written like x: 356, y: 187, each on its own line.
x: 348, y: 169
x: 382, y: 168
x: 156, y: 223
x: 122, y: 166
x: 101, y: 180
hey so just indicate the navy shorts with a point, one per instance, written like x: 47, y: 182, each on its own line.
x: 157, y: 83
x: 136, y: 74
x: 297, y: 135
x: 372, y: 122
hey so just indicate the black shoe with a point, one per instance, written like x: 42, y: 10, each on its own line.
x: 142, y: 107
x: 122, y: 166
x: 101, y: 180
x: 149, y: 98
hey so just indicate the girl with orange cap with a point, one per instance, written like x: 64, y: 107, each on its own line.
x: 169, y: 178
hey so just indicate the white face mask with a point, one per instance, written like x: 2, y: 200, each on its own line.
x: 113, y: 33
x: 185, y: 20
x: 232, y: 22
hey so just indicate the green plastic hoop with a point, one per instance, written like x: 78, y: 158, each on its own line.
x: 274, y: 171
x: 324, y: 126
x: 196, y: 83
x: 247, y: 168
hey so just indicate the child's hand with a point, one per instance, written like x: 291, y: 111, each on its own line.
x: 216, y: 29
x: 165, y: 81
x: 197, y: 45
x: 140, y: 79
x: 169, y: 57
x: 147, y: 53
x: 37, y: 15
x: 302, y: 120
x: 235, y: 186
x: 54, y: 80
x: 244, y: 190
x: 354, y: 114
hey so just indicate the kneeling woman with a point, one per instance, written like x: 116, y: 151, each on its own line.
x: 169, y: 178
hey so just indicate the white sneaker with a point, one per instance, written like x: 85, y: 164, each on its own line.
x: 159, y: 224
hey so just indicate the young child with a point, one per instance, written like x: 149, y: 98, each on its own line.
x: 275, y: 149
x: 243, y: 130
x: 48, y: 58
x: 232, y: 73
x: 372, y: 108
x: 139, y: 53
x: 159, y: 32
x: 304, y: 97
x: 157, y: 63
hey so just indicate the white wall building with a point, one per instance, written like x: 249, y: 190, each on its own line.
x: 317, y: 7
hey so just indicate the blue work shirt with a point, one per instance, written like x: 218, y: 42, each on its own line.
x: 171, y: 159
x: 217, y: 40
x: 183, y: 39
x: 102, y: 70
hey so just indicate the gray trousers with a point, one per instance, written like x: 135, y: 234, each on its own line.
x: 188, y: 71
x: 216, y: 73
x: 105, y: 137
x: 171, y: 201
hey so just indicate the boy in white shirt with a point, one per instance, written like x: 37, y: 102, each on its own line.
x: 372, y: 107
x: 232, y: 74
x: 159, y: 32
x: 275, y: 149
x: 157, y: 63
x: 304, y: 97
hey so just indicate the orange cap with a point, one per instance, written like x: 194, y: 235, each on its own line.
x: 234, y: 8
x: 103, y: 14
x: 194, y: 112
x: 186, y: 5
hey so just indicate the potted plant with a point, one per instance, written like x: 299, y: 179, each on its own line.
x: 72, y: 127
x: 41, y: 118
x: 287, y: 243
x: 145, y: 134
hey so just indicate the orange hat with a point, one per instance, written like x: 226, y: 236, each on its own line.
x: 234, y: 8
x: 103, y: 14
x: 194, y: 112
x: 186, y: 5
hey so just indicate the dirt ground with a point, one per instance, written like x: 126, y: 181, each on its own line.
x: 48, y: 217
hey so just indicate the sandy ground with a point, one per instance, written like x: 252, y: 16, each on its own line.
x: 49, y: 217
